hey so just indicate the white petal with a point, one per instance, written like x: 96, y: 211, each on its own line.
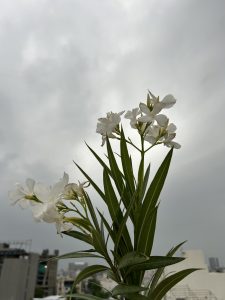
x: 150, y: 139
x: 162, y: 120
x: 171, y: 128
x: 30, y: 184
x: 168, y: 101
x: 145, y: 119
x: 42, y: 191
x: 144, y: 108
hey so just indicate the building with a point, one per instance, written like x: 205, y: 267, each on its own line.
x: 18, y: 272
x: 201, y: 284
x: 47, y: 274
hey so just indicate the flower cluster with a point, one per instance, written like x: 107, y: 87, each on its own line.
x: 47, y: 202
x: 153, y: 126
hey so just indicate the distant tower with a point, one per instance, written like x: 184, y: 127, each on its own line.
x: 214, y: 264
x: 47, y: 273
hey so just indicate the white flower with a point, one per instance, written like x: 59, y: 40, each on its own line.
x: 152, y: 134
x: 47, y: 211
x: 107, y: 126
x: 154, y: 106
x: 23, y: 195
x: 162, y: 133
x: 168, y: 101
x: 51, y: 194
x: 73, y: 191
x: 132, y: 115
x: 170, y: 135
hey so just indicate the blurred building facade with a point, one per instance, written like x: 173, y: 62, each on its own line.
x: 202, y: 284
x: 47, y: 274
x: 18, y: 273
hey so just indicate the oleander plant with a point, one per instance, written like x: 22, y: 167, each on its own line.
x: 124, y: 240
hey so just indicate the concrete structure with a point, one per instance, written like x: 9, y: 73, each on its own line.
x: 47, y: 273
x: 211, y: 284
x: 18, y: 271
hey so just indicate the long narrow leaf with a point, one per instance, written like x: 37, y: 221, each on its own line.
x: 165, y: 285
x: 131, y: 258
x: 92, y: 211
x: 77, y: 254
x: 154, y: 262
x: 99, y: 159
x: 116, y: 173
x: 86, y: 297
x: 111, y: 199
x: 115, y: 211
x: 123, y: 224
x: 99, y: 244
x: 149, y: 204
x: 146, y: 235
x: 126, y: 163
x: 145, y: 183
x: 108, y: 227
x: 89, y: 271
x: 79, y: 235
x: 123, y: 289
x: 98, y: 190
x: 160, y: 271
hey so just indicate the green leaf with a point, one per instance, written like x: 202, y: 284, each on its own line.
x: 160, y: 271
x: 99, y: 159
x: 116, y: 173
x: 154, y: 262
x: 79, y: 236
x: 99, y: 244
x: 107, y: 226
x: 91, y: 211
x: 165, y: 285
x: 123, y: 226
x: 98, y: 190
x: 89, y: 271
x: 80, y: 222
x: 131, y: 258
x: 145, y: 183
x: 123, y: 289
x: 77, y: 254
x: 147, y: 233
x: 145, y: 236
x: 126, y: 163
x: 111, y: 199
x: 86, y: 297
x: 136, y: 297
x: 156, y: 185
x: 174, y: 249
x: 115, y: 212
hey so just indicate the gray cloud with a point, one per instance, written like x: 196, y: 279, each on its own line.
x: 64, y: 64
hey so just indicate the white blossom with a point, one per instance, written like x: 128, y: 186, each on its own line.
x: 23, y: 195
x: 132, y: 116
x: 152, y: 134
x: 107, y: 126
x: 169, y: 136
x: 51, y: 193
x: 73, y: 191
x: 162, y: 133
x: 49, y: 213
x: 47, y: 210
x: 154, y: 107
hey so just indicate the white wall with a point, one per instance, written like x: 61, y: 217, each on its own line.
x: 214, y: 282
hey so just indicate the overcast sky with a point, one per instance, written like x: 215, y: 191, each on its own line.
x: 63, y: 64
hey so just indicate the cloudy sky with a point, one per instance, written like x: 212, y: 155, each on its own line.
x: 63, y: 64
